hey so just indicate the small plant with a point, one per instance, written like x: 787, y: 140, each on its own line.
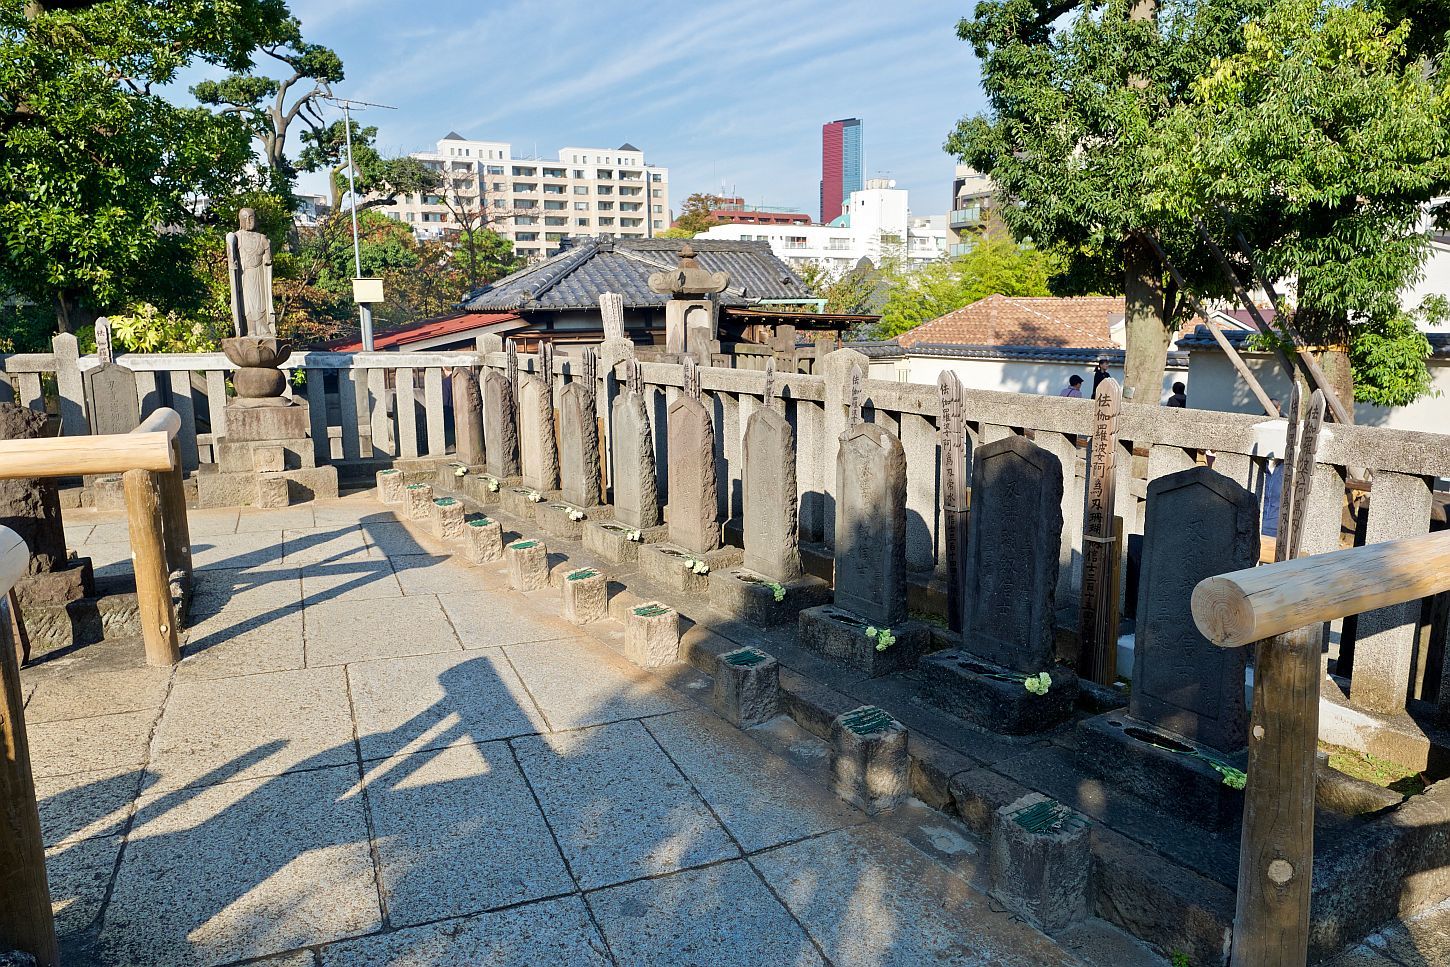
x: 697, y: 566
x: 576, y: 514
x: 883, y: 636
x: 1233, y: 778
x: 777, y: 590
x: 1178, y: 959
x: 1037, y: 684
x: 535, y: 496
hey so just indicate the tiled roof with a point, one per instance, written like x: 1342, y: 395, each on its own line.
x: 1041, y: 354
x: 422, y: 330
x: 575, y: 277
x: 1078, y: 322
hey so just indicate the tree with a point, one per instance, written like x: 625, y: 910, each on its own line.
x: 994, y: 266
x: 263, y: 101
x: 1324, y: 142
x: 482, y: 253
x: 1077, y: 91
x: 695, y: 214
x: 853, y: 291
x: 379, y: 180
x: 94, y: 164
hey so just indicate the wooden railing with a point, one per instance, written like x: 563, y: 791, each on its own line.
x: 26, y: 922
x: 1281, y: 609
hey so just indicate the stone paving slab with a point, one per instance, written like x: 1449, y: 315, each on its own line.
x: 249, y: 868
x: 85, y: 745
x: 347, y: 631
x: 326, y: 545
x: 870, y: 900
x: 759, y: 797
x: 85, y: 805
x: 395, y: 539
x: 349, y: 581
x: 552, y: 933
x: 257, y: 725
x: 253, y: 549
x: 244, y: 591
x: 246, y: 647
x: 577, y: 683
x: 433, y: 574
x: 719, y: 915
x: 619, y: 808
x: 211, y: 523
x: 76, y: 534
x: 487, y: 620
x: 291, y: 518
x: 110, y: 560
x: 60, y: 696
x: 79, y: 873
x: 435, y: 701
x: 458, y: 832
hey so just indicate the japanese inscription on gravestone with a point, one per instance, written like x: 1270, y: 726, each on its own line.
x: 953, y: 441
x: 1099, y: 610
x: 871, y: 525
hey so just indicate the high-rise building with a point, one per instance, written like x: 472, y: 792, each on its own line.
x: 840, y: 166
x: 536, y: 203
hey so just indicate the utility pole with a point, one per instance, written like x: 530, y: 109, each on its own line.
x: 365, y: 310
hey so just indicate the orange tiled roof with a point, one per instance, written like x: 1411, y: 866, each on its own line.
x: 1078, y: 322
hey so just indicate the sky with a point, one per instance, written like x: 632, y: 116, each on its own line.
x: 730, y: 93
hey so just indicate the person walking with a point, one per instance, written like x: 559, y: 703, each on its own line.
x: 1179, y: 397
x: 1074, y: 386
x: 1100, y: 373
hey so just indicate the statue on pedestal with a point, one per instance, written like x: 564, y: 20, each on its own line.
x: 249, y: 261
x: 691, y: 322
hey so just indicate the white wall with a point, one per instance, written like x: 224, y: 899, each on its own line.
x: 1006, y: 375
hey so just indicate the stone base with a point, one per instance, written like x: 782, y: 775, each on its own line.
x: 747, y: 687
x: 418, y: 501
x: 528, y: 565
x: 217, y: 489
x: 964, y: 685
x: 652, y: 635
x: 107, y: 493
x: 746, y: 595
x: 1042, y: 862
x: 1164, y: 769
x: 836, y: 633
x: 480, y: 488
x: 55, y: 626
x: 483, y: 540
x: 419, y: 469
x: 446, y: 518
x: 390, y: 485
x: 515, y: 501
x: 269, y: 455
x: 255, y: 424
x: 71, y: 583
x: 870, y: 766
x: 610, y: 540
x: 554, y: 518
x: 586, y: 596
x: 664, y: 565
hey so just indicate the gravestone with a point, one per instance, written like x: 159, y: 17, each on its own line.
x: 467, y: 417
x: 1007, y: 602
x: 578, y: 447
x: 538, y: 456
x: 501, y: 435
x: 953, y: 442
x: 636, y: 492
x: 1187, y: 709
x: 694, y: 524
x: 772, y: 542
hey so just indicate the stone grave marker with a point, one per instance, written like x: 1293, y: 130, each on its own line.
x: 467, y: 417
x: 501, y: 436
x: 112, y: 401
x: 578, y: 447
x: 694, y: 524
x: 871, y: 524
x: 772, y: 541
x: 538, y: 456
x: 636, y: 492
x: 953, y: 448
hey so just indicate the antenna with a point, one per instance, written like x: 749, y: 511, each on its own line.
x: 365, y: 310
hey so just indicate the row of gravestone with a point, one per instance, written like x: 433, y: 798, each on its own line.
x: 1187, y: 714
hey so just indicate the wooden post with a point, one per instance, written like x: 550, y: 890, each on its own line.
x: 26, y: 921
x: 17, y: 628
x: 148, y: 561
x: 1097, y: 628
x: 1276, y: 855
x: 953, y: 442
x: 174, y: 524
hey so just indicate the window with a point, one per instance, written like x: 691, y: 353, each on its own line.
x: 525, y: 186
x: 581, y: 189
x: 581, y: 206
x: 657, y: 193
x: 553, y: 189
x: 603, y: 175
x: 604, y: 190
x: 495, y: 169
x: 795, y: 241
x: 606, y: 221
x: 657, y: 209
x: 432, y: 216
x: 526, y: 220
x: 659, y: 224
x: 525, y: 172
x: 555, y: 220
x: 525, y: 203
x: 578, y: 172
x: 554, y: 206
x: 553, y: 172
x: 582, y: 221
x: 528, y: 251
x: 629, y: 206
x: 631, y: 222
x: 606, y: 206
x: 498, y: 203
x: 626, y: 190
x: 656, y: 176
x: 496, y: 186
x: 527, y: 237
x: 555, y: 236
x: 839, y: 244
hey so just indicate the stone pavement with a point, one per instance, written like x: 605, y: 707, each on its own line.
x: 373, y: 753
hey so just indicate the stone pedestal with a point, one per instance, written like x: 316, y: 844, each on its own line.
x: 516, y: 501
x: 483, y: 540
x: 565, y: 520
x: 995, y: 697
x: 418, y: 501
x: 610, y: 539
x: 747, y: 687
x: 390, y: 485
x: 746, y: 595
x: 528, y: 565
x: 870, y: 767
x: 586, y: 596
x: 481, y: 488
x: 107, y: 493
x: 72, y: 581
x: 265, y: 460
x: 1174, y: 774
x: 652, y: 635
x: 668, y: 566
x: 447, y: 518
x: 833, y: 632
x: 1042, y: 862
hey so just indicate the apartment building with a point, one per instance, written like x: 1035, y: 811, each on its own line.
x: 538, y: 202
x: 971, y: 209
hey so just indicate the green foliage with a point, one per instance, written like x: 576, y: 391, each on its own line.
x: 855, y: 291
x: 1179, y: 959
x: 882, y: 636
x: 93, y: 163
x: 1389, y: 357
x: 995, y: 265
x: 695, y: 214
x: 145, y: 329
x: 379, y: 179
x: 674, y: 232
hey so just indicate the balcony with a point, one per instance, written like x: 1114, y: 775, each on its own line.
x: 966, y: 217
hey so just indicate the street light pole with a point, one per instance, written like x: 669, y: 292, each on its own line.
x: 365, y: 310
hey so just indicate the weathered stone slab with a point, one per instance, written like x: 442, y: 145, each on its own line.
x: 390, y: 484
x: 519, y: 501
x: 484, y: 540
x: 1199, y: 524
x: 746, y: 595
x: 528, y: 565
x: 419, y: 501
x: 1042, y: 862
x: 652, y: 635
x: 870, y: 767
x: 446, y: 517
x: 256, y: 424
x: 586, y: 596
x: 564, y: 519
x: 617, y: 542
x: 836, y: 633
x: 772, y: 539
x: 501, y: 435
x: 870, y: 572
x: 1012, y: 555
x: 578, y: 446
x: 673, y: 567
x: 467, y: 417
x: 746, y: 691
x: 538, y: 453
x: 994, y: 697
x: 636, y: 491
x: 694, y: 511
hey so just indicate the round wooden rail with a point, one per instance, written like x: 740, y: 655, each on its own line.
x: 148, y: 447
x: 1251, y: 605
